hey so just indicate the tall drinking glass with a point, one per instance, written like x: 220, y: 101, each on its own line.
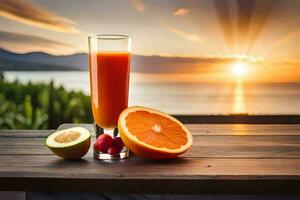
x: 109, y: 57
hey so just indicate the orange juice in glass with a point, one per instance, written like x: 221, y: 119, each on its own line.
x: 109, y: 57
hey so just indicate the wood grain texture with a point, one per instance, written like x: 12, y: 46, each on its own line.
x: 239, y: 176
x: 209, y: 146
x: 224, y: 159
x: 228, y: 129
x: 136, y: 167
x: 244, y: 129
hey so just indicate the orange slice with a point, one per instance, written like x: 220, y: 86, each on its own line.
x: 153, y: 134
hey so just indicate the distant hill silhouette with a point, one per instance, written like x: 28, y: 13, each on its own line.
x: 41, y: 61
x: 10, y: 61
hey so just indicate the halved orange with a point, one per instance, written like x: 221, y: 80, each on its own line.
x: 153, y: 134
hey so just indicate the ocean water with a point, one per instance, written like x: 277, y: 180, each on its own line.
x: 189, y: 98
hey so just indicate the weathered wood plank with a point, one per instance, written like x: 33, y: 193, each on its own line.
x: 199, y: 140
x: 25, y: 133
x: 10, y: 141
x: 194, y: 152
x: 227, y: 129
x: 203, y: 146
x: 43, y: 173
x: 224, y: 159
x: 244, y: 129
x: 53, y: 166
x: 196, y: 129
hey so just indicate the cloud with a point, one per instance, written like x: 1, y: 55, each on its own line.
x: 181, y: 12
x: 28, y: 13
x: 138, y: 5
x: 193, y: 37
x: 24, y: 43
x: 242, y: 21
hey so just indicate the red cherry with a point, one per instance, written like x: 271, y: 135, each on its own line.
x: 103, y: 143
x: 113, y: 150
x: 118, y: 143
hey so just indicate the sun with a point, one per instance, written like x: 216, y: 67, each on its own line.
x: 239, y: 69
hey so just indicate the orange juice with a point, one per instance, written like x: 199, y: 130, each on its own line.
x: 109, y: 80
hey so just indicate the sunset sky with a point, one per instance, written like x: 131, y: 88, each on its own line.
x: 264, y: 35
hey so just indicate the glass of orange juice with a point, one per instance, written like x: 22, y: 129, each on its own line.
x: 109, y: 58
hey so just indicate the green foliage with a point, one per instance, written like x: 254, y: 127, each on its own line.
x: 40, y: 106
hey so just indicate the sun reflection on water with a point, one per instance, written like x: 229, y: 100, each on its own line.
x: 239, y: 98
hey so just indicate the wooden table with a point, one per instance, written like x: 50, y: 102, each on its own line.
x: 224, y: 159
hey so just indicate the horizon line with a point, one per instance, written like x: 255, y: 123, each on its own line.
x: 234, y: 58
